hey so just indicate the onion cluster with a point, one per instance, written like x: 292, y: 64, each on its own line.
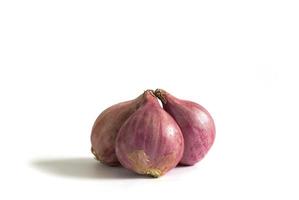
x: 144, y: 137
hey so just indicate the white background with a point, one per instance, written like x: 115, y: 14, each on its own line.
x: 63, y: 62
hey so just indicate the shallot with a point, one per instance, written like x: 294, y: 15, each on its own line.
x: 196, y: 123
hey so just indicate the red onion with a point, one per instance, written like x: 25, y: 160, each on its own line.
x: 195, y: 123
x: 106, y: 127
x: 150, y: 142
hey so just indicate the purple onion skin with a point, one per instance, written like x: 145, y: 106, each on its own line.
x: 106, y: 127
x: 196, y: 124
x: 150, y: 142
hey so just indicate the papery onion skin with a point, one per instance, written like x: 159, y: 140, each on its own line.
x: 150, y: 142
x: 195, y: 122
x: 106, y: 127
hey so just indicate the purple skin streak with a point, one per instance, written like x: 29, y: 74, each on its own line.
x: 196, y: 124
x: 150, y: 142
